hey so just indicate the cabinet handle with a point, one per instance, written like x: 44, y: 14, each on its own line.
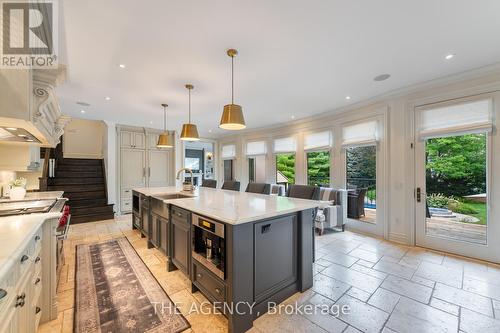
x: 37, y: 259
x: 37, y: 311
x: 266, y: 228
x: 149, y: 171
x: 37, y: 238
x: 37, y: 281
x: 20, y: 304
x: 24, y: 258
x: 3, y: 293
x: 218, y: 291
x: 199, y: 275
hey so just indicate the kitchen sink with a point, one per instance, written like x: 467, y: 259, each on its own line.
x: 170, y: 196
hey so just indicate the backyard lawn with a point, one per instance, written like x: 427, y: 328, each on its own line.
x: 481, y: 211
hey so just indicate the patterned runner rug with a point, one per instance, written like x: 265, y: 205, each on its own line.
x: 116, y: 292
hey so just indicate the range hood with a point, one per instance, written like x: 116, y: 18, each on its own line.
x: 29, y: 109
x: 13, y: 134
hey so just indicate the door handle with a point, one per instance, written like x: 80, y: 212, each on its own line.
x: 419, y: 194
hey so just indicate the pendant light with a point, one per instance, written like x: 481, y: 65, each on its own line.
x: 189, y: 131
x: 232, y: 116
x: 164, y: 139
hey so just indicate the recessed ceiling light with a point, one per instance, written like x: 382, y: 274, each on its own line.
x: 22, y: 135
x: 293, y: 117
x: 348, y: 97
x: 107, y: 98
x: 449, y: 56
x: 82, y: 111
x: 30, y: 140
x: 122, y: 65
x: 151, y: 122
x: 209, y: 131
x: 11, y: 128
x: 381, y: 77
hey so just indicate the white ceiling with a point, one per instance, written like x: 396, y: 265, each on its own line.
x: 296, y: 57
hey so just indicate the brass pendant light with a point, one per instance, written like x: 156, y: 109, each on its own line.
x: 232, y: 116
x: 164, y: 140
x: 189, y: 131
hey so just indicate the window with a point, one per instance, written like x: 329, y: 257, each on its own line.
x: 256, y: 148
x: 360, y: 134
x: 361, y: 171
x: 256, y: 153
x: 317, y: 146
x: 284, y: 149
x: 285, y: 169
x: 318, y: 168
x: 257, y: 169
x: 228, y: 170
x: 228, y: 151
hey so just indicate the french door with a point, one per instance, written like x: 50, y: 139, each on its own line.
x: 455, y: 190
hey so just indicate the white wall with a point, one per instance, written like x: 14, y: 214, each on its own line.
x: 83, y: 139
x: 396, y: 179
x: 109, y: 155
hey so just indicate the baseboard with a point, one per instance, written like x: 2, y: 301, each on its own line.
x: 398, y: 238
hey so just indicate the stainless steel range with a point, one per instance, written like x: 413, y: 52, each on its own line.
x: 31, y: 206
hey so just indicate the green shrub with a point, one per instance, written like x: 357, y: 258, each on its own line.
x: 464, y: 208
x: 438, y: 200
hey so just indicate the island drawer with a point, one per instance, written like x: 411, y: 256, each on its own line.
x: 180, y: 214
x: 208, y: 282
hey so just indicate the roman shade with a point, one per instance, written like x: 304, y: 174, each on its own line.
x: 318, y: 140
x: 360, y: 134
x: 285, y: 145
x: 255, y: 148
x: 459, y: 119
x: 228, y: 151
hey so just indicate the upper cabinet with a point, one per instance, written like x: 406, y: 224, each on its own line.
x: 134, y: 140
x: 28, y: 102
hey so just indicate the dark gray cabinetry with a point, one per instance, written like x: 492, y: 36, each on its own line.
x: 273, y: 272
x: 145, y: 223
x: 181, y: 239
x: 163, y: 234
x: 155, y: 230
x: 206, y: 281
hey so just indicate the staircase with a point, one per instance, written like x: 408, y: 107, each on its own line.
x: 84, y: 184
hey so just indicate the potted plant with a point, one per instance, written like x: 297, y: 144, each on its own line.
x: 17, y: 189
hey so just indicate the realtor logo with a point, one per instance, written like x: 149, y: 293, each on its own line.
x: 29, y: 38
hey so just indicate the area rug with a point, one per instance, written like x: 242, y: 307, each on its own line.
x: 116, y: 292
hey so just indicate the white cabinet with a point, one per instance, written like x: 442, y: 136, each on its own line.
x: 141, y: 163
x: 130, y: 139
x: 133, y: 168
x: 159, y: 167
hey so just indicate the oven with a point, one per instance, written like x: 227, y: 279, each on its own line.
x: 209, y: 244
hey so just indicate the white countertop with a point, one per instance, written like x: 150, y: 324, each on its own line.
x: 38, y: 196
x: 231, y: 206
x: 15, y: 233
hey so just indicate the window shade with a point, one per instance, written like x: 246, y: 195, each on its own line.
x: 360, y: 134
x: 228, y: 151
x: 467, y: 118
x: 318, y: 140
x: 256, y: 148
x: 285, y: 145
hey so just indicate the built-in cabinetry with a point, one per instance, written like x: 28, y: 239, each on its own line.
x: 28, y: 288
x: 181, y: 239
x: 141, y: 163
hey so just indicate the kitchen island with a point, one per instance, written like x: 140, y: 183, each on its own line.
x: 245, y: 252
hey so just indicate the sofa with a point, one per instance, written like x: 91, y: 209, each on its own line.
x: 334, y: 216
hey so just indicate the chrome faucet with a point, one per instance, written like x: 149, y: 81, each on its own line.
x: 192, y: 179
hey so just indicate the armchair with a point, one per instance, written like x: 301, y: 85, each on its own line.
x: 334, y: 215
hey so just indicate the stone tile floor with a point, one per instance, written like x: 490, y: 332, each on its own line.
x: 387, y: 287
